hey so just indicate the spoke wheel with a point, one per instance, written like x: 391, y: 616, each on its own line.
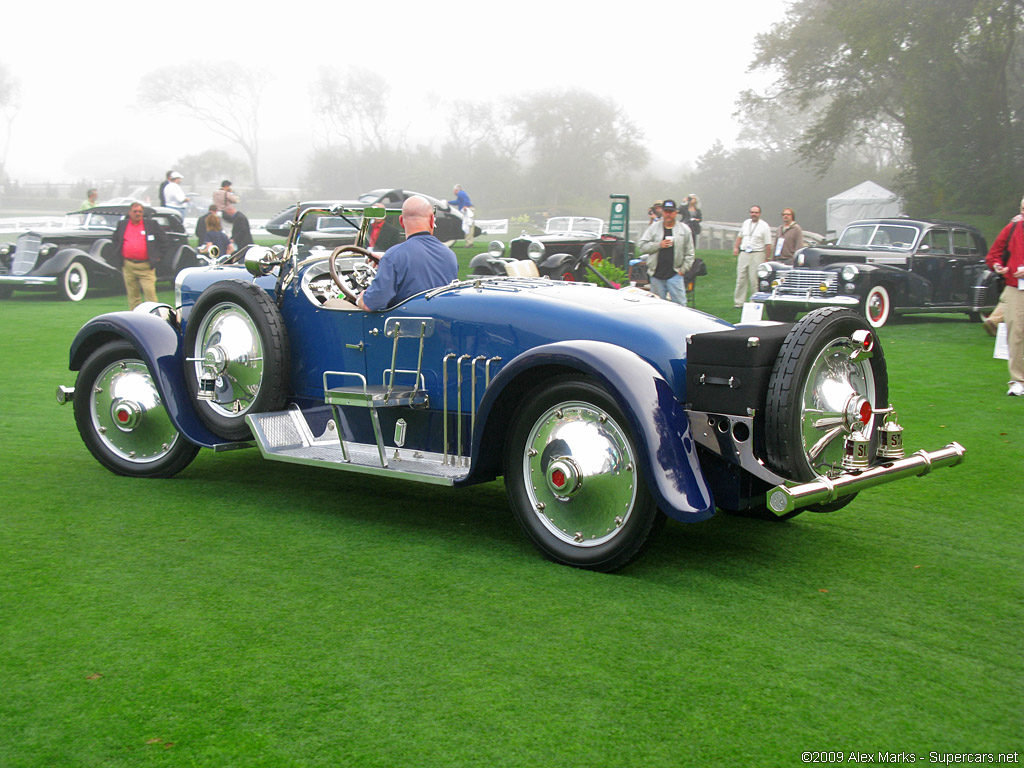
x: 877, y: 306
x: 574, y: 481
x: 122, y: 419
x: 74, y: 283
x: 822, y: 388
x: 236, y: 345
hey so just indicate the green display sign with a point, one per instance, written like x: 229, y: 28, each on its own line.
x: 618, y: 220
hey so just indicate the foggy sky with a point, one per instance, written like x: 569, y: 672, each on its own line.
x: 676, y: 70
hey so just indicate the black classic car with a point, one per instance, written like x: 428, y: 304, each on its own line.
x: 885, y: 266
x: 568, y: 244
x: 448, y: 227
x: 79, y: 255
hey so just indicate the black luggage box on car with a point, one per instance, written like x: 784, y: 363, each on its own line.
x: 728, y: 371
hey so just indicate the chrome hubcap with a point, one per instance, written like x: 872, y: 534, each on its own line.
x: 837, y: 399
x: 579, y: 468
x: 228, y: 348
x: 128, y: 414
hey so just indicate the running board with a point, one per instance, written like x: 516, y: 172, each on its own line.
x: 286, y: 436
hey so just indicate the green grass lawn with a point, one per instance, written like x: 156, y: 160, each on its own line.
x: 251, y: 613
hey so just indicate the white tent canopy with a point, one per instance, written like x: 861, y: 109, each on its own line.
x: 865, y: 201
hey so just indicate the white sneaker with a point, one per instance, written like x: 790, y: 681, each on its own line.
x: 1016, y: 389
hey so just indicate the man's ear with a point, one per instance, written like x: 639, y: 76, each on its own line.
x: 401, y: 221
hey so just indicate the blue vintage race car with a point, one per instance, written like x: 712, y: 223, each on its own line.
x: 604, y: 411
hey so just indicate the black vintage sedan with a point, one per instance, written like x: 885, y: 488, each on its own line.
x: 79, y: 255
x: 885, y: 266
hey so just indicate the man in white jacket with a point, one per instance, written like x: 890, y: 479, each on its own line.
x: 671, y: 242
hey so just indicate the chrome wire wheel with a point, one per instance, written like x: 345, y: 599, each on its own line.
x: 825, y: 384
x: 837, y: 397
x: 581, y: 469
x: 228, y: 347
x: 574, y: 480
x: 237, y: 356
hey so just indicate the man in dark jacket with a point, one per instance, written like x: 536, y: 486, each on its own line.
x: 140, y: 242
x: 241, y: 234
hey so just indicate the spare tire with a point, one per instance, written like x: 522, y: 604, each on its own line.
x: 235, y: 335
x: 818, y: 392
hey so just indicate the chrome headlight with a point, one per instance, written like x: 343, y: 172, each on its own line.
x: 5, y: 249
x: 763, y: 270
x: 496, y: 249
x: 47, y: 248
x: 849, y: 272
x: 535, y: 250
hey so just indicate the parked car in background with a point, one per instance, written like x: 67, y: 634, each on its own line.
x: 448, y: 226
x: 79, y: 255
x: 568, y: 244
x: 885, y: 266
x: 604, y: 411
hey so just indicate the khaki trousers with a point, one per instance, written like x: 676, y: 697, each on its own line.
x: 746, y: 275
x: 1014, y: 319
x: 139, y: 282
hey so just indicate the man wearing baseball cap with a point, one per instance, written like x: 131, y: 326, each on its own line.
x: 671, y: 243
x: 174, y: 195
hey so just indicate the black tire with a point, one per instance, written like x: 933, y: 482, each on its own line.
x: 780, y: 314
x: 258, y: 335
x: 800, y: 414
x: 73, y: 284
x: 122, y: 419
x: 600, y: 517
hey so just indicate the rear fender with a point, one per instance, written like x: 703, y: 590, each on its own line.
x: 483, y: 263
x: 667, y: 453
x: 558, y: 261
x: 159, y: 345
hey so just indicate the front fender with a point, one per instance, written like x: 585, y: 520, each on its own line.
x: 159, y: 346
x: 56, y: 264
x: 667, y: 453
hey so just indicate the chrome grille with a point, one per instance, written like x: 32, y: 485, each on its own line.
x: 26, y: 253
x: 804, y: 281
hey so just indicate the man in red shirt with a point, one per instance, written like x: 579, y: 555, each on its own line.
x: 1006, y: 258
x: 140, y: 242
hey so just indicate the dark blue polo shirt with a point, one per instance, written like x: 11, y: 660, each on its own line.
x: 420, y: 263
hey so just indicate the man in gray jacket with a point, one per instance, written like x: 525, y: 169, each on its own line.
x: 671, y: 242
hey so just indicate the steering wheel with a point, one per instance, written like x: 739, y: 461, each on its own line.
x: 360, y: 278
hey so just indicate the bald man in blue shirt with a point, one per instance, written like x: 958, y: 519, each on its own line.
x: 420, y: 263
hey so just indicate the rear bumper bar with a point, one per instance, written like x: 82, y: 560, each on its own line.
x: 783, y: 499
